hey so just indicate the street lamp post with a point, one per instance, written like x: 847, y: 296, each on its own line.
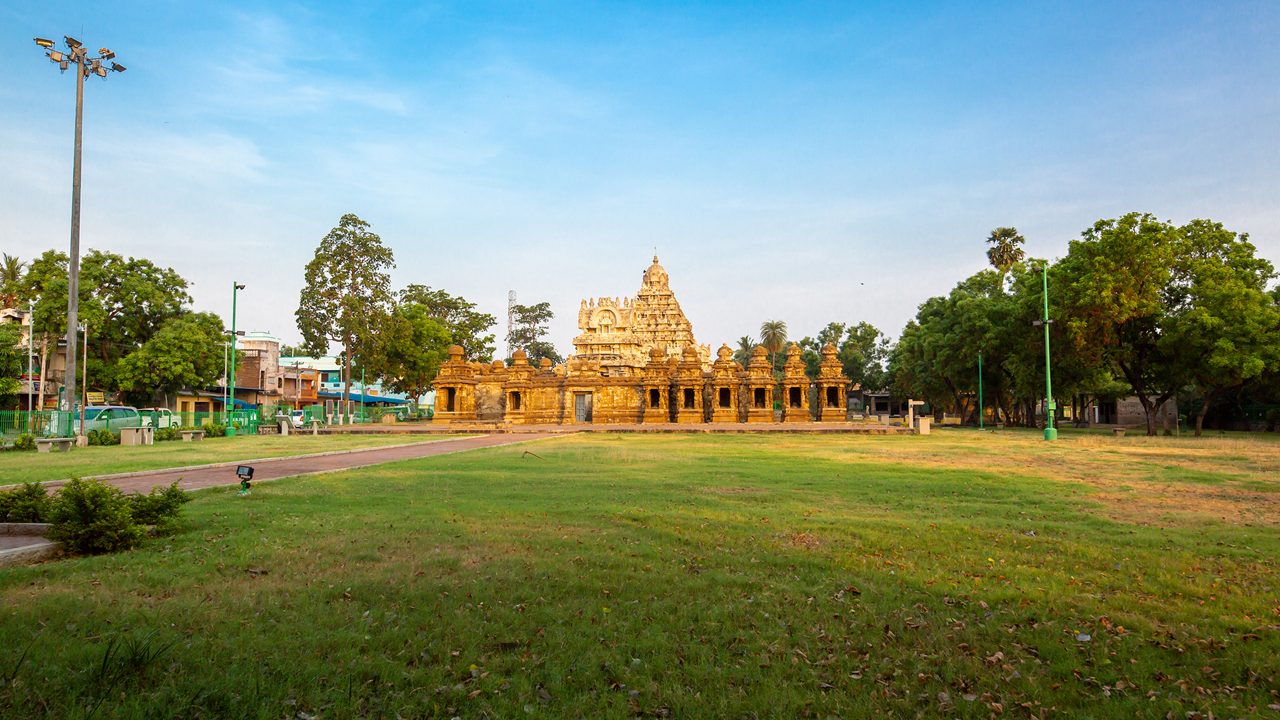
x: 31, y: 357
x: 78, y: 55
x: 231, y: 380
x: 1050, y: 432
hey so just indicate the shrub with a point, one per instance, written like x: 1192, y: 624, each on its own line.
x: 90, y: 516
x: 159, y: 508
x: 169, y: 433
x: 215, y: 430
x: 25, y: 441
x: 27, y: 504
x: 102, y: 436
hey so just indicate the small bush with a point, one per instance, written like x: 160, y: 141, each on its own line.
x: 102, y: 436
x: 169, y: 433
x: 92, y: 517
x: 25, y: 441
x: 159, y: 508
x: 27, y: 504
x: 215, y: 430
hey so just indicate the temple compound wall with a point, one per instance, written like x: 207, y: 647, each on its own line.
x: 636, y: 361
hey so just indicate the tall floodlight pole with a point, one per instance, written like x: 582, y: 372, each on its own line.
x: 31, y: 358
x: 84, y: 380
x: 78, y: 56
x: 980, y: 391
x: 1050, y: 432
x: 231, y: 380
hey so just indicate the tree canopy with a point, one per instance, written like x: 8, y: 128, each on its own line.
x: 468, y: 327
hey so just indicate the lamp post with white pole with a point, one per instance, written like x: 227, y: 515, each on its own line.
x: 78, y: 55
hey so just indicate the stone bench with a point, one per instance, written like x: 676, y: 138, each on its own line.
x: 1118, y: 432
x: 191, y: 435
x: 45, y: 445
x: 143, y: 435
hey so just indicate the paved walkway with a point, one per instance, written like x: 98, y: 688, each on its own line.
x: 275, y: 468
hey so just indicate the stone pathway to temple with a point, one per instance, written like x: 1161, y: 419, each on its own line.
x: 275, y: 468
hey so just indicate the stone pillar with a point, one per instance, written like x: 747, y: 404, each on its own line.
x: 832, y: 388
x: 760, y: 385
x: 795, y: 388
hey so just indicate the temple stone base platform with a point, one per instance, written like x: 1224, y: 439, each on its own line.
x: 812, y: 428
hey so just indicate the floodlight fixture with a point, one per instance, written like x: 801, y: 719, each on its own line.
x: 55, y: 56
x: 117, y: 67
x: 102, y: 72
x: 44, y: 42
x: 239, y: 286
x: 72, y: 42
x: 105, y: 54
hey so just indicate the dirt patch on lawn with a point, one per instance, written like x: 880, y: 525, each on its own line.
x: 733, y: 490
x: 1173, y: 505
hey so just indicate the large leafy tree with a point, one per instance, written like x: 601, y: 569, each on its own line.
x: 529, y: 331
x: 411, y: 346
x: 864, y: 351
x: 468, y: 327
x: 1006, y: 249
x: 346, y: 294
x: 1115, y: 289
x: 186, y: 352
x: 1222, y: 324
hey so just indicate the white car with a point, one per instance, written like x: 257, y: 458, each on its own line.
x: 161, y: 418
x: 297, y: 418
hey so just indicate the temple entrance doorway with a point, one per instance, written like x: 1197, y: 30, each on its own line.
x: 582, y: 407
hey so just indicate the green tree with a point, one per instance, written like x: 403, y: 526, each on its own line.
x: 746, y: 346
x: 10, y: 279
x: 1006, y: 248
x: 468, y: 327
x: 45, y: 282
x: 1222, y: 323
x: 186, y: 352
x: 773, y: 336
x: 13, y: 358
x: 410, y: 349
x: 1115, y: 294
x: 864, y: 352
x: 529, y: 331
x: 346, y: 293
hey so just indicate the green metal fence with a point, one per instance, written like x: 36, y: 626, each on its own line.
x: 41, y: 423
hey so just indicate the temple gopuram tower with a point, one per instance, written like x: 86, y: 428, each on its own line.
x: 832, y: 387
x: 618, y: 333
x: 726, y: 383
x: 760, y: 384
x: 795, y: 388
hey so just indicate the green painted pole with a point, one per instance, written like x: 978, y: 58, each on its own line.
x: 1050, y: 432
x: 362, y: 393
x: 231, y: 380
x: 980, y: 426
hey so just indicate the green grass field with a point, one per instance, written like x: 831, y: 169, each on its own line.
x: 625, y: 576
x: 18, y: 467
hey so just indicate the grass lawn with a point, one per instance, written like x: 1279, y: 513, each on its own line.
x: 18, y: 467
x: 958, y: 574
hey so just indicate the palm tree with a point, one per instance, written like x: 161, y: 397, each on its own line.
x: 10, y: 275
x: 743, y: 353
x: 773, y: 336
x: 1005, y: 248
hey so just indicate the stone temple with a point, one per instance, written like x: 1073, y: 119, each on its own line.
x: 636, y: 361
x: 621, y: 334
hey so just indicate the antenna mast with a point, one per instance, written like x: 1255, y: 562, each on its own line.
x: 511, y: 320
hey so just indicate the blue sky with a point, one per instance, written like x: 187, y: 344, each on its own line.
x: 798, y: 161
